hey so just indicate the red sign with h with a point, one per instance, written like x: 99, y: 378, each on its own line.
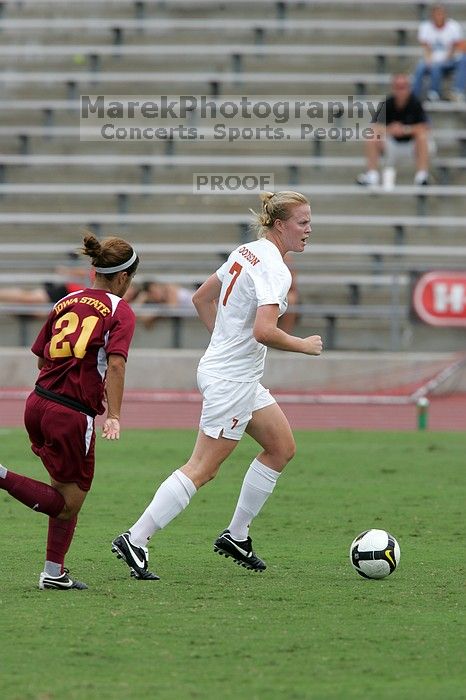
x: 439, y: 298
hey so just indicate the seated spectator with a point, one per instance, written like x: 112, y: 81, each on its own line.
x: 442, y: 41
x: 401, y: 131
x: 154, y: 292
x: 75, y: 277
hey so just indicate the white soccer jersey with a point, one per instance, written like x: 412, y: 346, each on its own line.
x: 254, y: 275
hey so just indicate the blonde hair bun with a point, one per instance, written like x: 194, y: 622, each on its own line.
x: 266, y: 197
x: 275, y: 205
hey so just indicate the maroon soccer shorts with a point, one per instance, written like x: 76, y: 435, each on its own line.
x: 63, y: 438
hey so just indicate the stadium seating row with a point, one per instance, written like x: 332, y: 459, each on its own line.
x: 144, y: 190
x: 148, y: 165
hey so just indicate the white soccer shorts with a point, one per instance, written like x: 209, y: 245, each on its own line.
x: 227, y: 406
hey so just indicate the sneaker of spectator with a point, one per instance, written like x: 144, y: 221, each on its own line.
x: 370, y: 178
x: 421, y: 177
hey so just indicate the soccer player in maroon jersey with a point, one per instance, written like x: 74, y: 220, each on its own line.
x: 82, y: 351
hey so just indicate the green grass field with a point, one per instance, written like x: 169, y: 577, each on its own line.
x: 308, y: 627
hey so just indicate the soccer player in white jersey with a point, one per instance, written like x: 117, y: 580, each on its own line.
x: 240, y: 304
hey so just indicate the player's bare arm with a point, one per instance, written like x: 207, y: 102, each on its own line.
x: 114, y: 391
x: 205, y: 300
x: 266, y: 332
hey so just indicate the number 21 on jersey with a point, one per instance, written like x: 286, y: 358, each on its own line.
x: 235, y: 270
x: 66, y: 325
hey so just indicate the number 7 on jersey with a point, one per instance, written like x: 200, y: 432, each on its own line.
x: 235, y: 269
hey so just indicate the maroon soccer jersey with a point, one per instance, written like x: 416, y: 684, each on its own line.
x: 82, y: 329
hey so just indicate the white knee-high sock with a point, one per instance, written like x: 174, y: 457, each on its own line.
x: 258, y: 484
x: 172, y: 496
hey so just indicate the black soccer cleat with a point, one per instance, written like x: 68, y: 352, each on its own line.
x: 137, y: 558
x: 60, y: 583
x: 241, y: 552
x: 146, y: 576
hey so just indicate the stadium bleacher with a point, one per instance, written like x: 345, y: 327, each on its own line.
x: 356, y: 274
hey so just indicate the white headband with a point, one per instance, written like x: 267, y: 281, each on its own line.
x: 117, y: 268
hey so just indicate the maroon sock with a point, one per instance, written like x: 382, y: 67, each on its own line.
x: 34, y: 494
x: 59, y: 539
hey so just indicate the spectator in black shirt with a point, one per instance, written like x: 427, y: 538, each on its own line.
x: 401, y: 131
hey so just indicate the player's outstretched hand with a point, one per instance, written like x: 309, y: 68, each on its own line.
x: 313, y: 345
x: 111, y: 429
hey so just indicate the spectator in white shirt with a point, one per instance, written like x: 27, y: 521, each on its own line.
x: 442, y: 41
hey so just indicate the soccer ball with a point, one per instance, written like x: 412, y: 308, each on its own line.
x: 375, y: 554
